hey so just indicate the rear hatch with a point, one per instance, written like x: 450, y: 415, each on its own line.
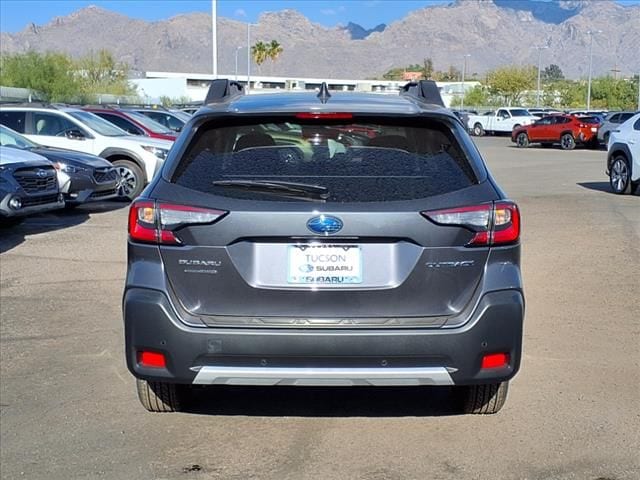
x: 324, y: 222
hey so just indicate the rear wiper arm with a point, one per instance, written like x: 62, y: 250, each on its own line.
x: 286, y: 188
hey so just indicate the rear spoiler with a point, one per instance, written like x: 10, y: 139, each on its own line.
x: 222, y: 90
x: 425, y: 90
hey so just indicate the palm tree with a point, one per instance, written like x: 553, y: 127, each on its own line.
x: 260, y: 52
x: 274, y: 50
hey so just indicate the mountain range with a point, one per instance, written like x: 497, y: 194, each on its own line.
x: 492, y: 32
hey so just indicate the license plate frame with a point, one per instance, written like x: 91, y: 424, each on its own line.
x: 339, y: 264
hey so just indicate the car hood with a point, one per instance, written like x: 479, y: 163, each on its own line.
x: 11, y: 156
x: 71, y: 157
x: 140, y: 140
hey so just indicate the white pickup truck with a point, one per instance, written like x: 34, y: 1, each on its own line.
x: 503, y: 120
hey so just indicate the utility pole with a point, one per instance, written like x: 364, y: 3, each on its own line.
x: 214, y: 36
x: 590, y: 33
x: 237, y: 50
x: 615, y: 70
x: 464, y: 70
x: 540, y: 48
x: 248, y: 56
x: 639, y: 91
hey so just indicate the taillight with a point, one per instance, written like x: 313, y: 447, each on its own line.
x: 324, y: 115
x: 495, y: 223
x: 151, y: 222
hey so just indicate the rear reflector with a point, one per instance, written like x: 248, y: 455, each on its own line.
x: 155, y: 223
x: 151, y: 359
x: 493, y: 223
x: 495, y: 360
x: 324, y: 115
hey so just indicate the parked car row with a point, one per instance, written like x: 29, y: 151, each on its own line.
x: 35, y: 178
x: 128, y: 140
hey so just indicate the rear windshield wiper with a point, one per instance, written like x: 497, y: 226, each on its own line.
x: 292, y: 189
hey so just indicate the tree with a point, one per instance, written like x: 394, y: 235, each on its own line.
x: 552, y: 73
x: 614, y: 94
x: 101, y: 73
x: 58, y: 78
x: 427, y: 68
x: 511, y: 82
x: 475, y: 97
x: 50, y: 74
x: 259, y: 52
x: 274, y: 50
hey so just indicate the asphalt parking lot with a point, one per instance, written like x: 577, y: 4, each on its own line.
x: 68, y: 408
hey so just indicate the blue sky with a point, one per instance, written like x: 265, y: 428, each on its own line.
x: 16, y: 14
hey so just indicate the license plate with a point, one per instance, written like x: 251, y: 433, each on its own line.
x: 594, y: 129
x: 324, y: 264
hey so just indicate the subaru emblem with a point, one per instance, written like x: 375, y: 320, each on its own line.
x: 324, y: 224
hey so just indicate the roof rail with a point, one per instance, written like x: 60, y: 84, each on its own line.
x: 222, y: 89
x: 21, y: 103
x: 425, y: 90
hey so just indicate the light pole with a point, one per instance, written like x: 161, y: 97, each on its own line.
x: 638, y: 91
x: 540, y: 48
x: 249, y: 54
x: 214, y: 37
x: 237, y: 50
x: 464, y: 69
x: 590, y: 33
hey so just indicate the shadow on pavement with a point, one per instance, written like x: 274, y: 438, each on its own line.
x: 599, y: 186
x: 325, y: 402
x: 11, y: 237
x: 603, y: 187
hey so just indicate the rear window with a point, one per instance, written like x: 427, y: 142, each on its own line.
x: 362, y: 161
x: 590, y: 120
x: 13, y: 120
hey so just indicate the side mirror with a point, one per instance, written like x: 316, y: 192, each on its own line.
x: 74, y: 134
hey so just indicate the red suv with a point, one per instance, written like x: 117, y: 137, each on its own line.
x: 567, y: 130
x: 133, y: 122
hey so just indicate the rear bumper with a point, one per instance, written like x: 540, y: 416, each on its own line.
x: 263, y: 356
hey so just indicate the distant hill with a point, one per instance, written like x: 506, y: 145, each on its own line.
x: 358, y: 32
x: 493, y: 32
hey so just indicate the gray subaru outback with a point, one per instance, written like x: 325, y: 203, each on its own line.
x: 329, y: 239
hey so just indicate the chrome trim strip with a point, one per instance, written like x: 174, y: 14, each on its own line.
x: 269, y: 376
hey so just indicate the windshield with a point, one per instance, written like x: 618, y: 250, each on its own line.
x: 9, y: 138
x: 369, y: 160
x: 519, y: 112
x: 150, y: 124
x: 185, y: 117
x: 97, y: 124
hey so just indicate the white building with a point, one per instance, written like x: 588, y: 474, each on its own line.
x: 194, y: 86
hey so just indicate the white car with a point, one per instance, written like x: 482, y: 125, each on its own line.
x: 505, y: 120
x: 136, y: 158
x: 623, y: 156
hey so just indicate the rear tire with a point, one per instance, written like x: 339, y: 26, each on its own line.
x: 567, y: 142
x: 131, y: 181
x: 478, y: 131
x: 620, y: 175
x: 522, y: 140
x: 485, y: 399
x: 160, y: 397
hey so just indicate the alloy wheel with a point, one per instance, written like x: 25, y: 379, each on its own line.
x: 127, y: 183
x: 619, y: 175
x: 522, y: 140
